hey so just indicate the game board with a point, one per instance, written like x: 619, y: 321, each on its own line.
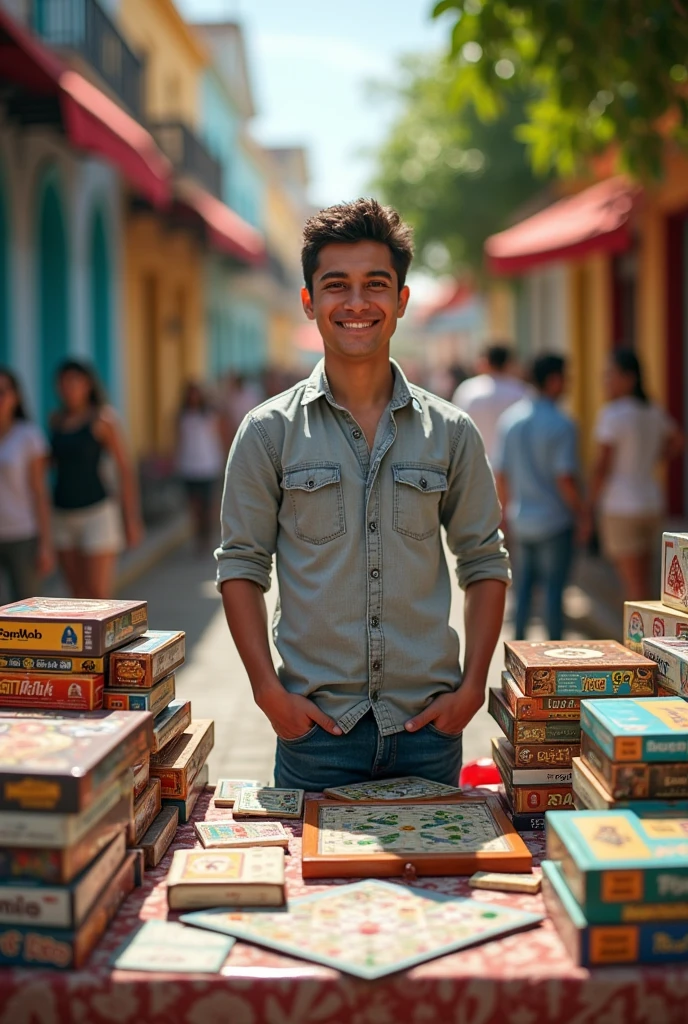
x: 370, y: 928
x: 409, y: 787
x: 453, y: 836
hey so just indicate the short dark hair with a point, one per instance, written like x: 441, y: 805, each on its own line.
x: 498, y: 356
x: 96, y: 397
x: 13, y: 380
x: 627, y: 362
x: 363, y: 220
x: 546, y: 366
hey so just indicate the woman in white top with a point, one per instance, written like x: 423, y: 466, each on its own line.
x: 200, y: 458
x: 634, y: 437
x: 26, y: 552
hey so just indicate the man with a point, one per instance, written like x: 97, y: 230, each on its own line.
x: 347, y: 478
x: 536, y: 467
x: 491, y: 393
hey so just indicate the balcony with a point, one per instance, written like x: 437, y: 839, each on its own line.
x: 84, y: 27
x: 189, y: 155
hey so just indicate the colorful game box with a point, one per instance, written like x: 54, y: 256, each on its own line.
x: 170, y: 724
x: 58, y: 665
x: 671, y: 656
x: 592, y: 795
x: 582, y: 669
x: 675, y: 570
x: 537, y: 755
x: 57, y: 693
x: 601, y: 945
x: 55, y: 625
x: 628, y: 780
x: 612, y: 858
x: 223, y: 835
x: 504, y: 758
x: 185, y: 807
x: 225, y: 878
x: 519, y: 732
x: 537, y: 799
x: 60, y: 760
x: 147, y: 660
x: 146, y: 809
x: 542, y: 709
x: 154, y: 700
x: 157, y: 839
x: 645, y: 619
x: 180, y: 762
x: 638, y: 730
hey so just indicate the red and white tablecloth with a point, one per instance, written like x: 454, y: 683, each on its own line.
x: 526, y: 978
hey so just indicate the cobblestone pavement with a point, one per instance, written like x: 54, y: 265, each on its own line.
x: 182, y: 595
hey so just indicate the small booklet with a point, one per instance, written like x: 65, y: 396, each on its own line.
x: 172, y: 948
x: 227, y: 790
x: 269, y: 803
x: 220, y: 835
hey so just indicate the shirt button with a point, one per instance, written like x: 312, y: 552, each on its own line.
x: 375, y: 574
x: 376, y: 666
x: 423, y: 482
x: 374, y: 622
x: 375, y: 697
x: 357, y: 435
x: 310, y: 484
x: 372, y: 527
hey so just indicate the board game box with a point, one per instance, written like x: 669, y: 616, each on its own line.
x: 223, y: 835
x: 537, y: 755
x: 180, y: 762
x: 170, y: 723
x: 185, y: 807
x: 651, y: 619
x: 156, y: 841
x: 269, y: 802
x: 539, y: 709
x: 591, y: 794
x: 56, y: 693
x: 60, y: 760
x: 611, y: 858
x: 225, y: 878
x: 147, y: 660
x: 585, y: 669
x: 671, y: 656
x: 629, y: 780
x: 504, y: 758
x: 519, y: 732
x: 55, y: 625
x: 59, y: 906
x: 409, y: 787
x: 146, y: 808
x: 226, y: 790
x: 58, y: 665
x: 171, y: 948
x: 29, y: 946
x: 675, y: 570
x: 454, y: 836
x: 597, y: 945
x: 370, y: 929
x: 638, y: 730
x: 44, y: 828
x: 537, y: 799
x: 141, y: 774
x: 154, y: 700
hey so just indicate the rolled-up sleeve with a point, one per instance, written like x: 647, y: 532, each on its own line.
x: 250, y: 509
x: 471, y: 512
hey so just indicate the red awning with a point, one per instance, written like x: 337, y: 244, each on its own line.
x: 226, y: 231
x: 92, y: 121
x: 595, y: 220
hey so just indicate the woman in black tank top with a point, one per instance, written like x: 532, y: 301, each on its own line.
x: 88, y: 523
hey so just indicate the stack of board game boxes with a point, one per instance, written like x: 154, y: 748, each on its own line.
x: 634, y: 756
x: 544, y: 687
x: 615, y: 885
x: 66, y: 780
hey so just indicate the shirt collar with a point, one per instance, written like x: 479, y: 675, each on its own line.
x: 317, y: 386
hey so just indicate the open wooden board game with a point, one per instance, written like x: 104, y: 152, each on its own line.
x: 453, y: 836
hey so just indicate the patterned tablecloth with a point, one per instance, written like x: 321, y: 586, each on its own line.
x: 526, y: 978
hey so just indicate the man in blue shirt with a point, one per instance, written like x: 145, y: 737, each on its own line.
x: 536, y: 467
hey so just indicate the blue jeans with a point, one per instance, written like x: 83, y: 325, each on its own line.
x: 319, y: 760
x: 547, y: 562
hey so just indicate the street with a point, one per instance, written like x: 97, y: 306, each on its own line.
x: 182, y: 595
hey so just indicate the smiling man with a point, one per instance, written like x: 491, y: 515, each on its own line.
x: 347, y: 479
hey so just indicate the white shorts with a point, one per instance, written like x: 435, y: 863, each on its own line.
x: 95, y: 530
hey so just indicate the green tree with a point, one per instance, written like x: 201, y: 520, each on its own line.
x: 601, y: 73
x: 454, y: 177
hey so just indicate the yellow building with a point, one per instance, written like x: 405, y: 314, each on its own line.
x: 604, y: 268
x: 163, y: 254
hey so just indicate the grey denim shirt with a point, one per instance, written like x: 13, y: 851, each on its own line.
x: 363, y: 615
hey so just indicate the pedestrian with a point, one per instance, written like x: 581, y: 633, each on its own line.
x: 347, y: 478
x: 89, y: 527
x: 634, y: 437
x: 489, y: 394
x: 200, y: 456
x: 536, y: 467
x: 26, y: 552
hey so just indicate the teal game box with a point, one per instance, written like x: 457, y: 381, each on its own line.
x: 638, y: 730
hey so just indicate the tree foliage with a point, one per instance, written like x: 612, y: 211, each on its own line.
x: 601, y: 73
x: 454, y: 177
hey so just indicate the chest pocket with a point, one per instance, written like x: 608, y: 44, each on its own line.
x: 315, y: 493
x: 417, y: 493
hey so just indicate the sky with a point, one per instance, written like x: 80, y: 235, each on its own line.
x: 310, y: 63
